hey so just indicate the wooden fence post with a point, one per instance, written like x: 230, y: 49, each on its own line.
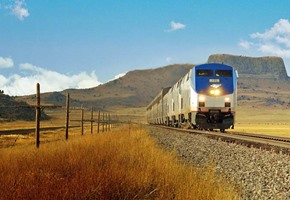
x: 113, y: 121
x: 99, y: 122
x: 103, y: 122
x: 92, y: 118
x: 67, y: 117
x: 109, y: 122
x: 37, y: 115
x: 82, y: 120
x: 106, y: 122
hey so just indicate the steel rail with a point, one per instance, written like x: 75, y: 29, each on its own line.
x: 266, y: 142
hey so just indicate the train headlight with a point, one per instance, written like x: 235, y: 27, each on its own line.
x: 201, y: 98
x: 201, y: 101
x: 215, y: 92
x: 227, y: 102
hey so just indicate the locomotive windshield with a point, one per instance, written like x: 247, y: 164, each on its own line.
x: 213, y: 77
x: 224, y: 73
x: 204, y: 72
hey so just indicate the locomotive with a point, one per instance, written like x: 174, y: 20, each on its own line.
x: 205, y: 98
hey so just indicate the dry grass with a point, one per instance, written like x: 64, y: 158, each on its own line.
x: 263, y: 120
x: 120, y: 165
x: 57, y: 120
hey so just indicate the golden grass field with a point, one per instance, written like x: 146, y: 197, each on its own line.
x: 263, y: 120
x: 121, y: 164
x: 260, y: 120
x: 271, y: 120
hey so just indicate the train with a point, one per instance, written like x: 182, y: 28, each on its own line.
x: 204, y: 98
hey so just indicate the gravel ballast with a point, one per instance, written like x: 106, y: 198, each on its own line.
x: 258, y: 173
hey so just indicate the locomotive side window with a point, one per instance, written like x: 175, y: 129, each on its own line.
x: 224, y: 73
x: 204, y: 72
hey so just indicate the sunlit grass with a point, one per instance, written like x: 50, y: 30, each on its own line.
x: 266, y: 121
x: 282, y: 130
x: 122, y: 164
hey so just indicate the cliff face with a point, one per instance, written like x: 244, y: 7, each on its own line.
x: 273, y: 66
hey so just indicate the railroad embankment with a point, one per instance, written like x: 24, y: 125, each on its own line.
x: 260, y: 174
x: 122, y: 164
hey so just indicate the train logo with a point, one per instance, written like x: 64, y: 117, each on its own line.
x: 216, y: 86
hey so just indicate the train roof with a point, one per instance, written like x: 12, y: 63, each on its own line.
x: 161, y: 94
x: 214, y: 65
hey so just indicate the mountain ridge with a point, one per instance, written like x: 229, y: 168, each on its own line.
x: 262, y: 81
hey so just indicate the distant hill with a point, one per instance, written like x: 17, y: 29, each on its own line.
x: 136, y: 89
x: 262, y: 81
x: 11, y: 110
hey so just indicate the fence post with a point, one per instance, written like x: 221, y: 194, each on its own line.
x: 103, y: 122
x: 99, y: 122
x: 82, y: 120
x: 109, y: 122
x: 37, y: 115
x: 92, y: 118
x: 106, y: 122
x: 67, y: 117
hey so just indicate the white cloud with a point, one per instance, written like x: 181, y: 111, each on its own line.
x: 18, y: 9
x: 273, y: 41
x: 174, y: 26
x: 6, y: 62
x: 49, y: 80
x: 245, y: 44
x: 274, y: 50
x: 281, y: 28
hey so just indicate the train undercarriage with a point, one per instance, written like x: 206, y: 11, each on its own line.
x: 213, y: 119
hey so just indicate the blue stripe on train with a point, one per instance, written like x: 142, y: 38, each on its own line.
x: 203, y: 83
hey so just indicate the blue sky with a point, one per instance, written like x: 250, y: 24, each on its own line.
x: 82, y: 43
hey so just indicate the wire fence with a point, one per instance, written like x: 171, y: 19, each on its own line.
x: 104, y: 121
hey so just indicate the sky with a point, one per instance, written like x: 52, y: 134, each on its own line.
x: 84, y: 43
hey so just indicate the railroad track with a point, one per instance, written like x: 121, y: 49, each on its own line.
x: 265, y: 142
